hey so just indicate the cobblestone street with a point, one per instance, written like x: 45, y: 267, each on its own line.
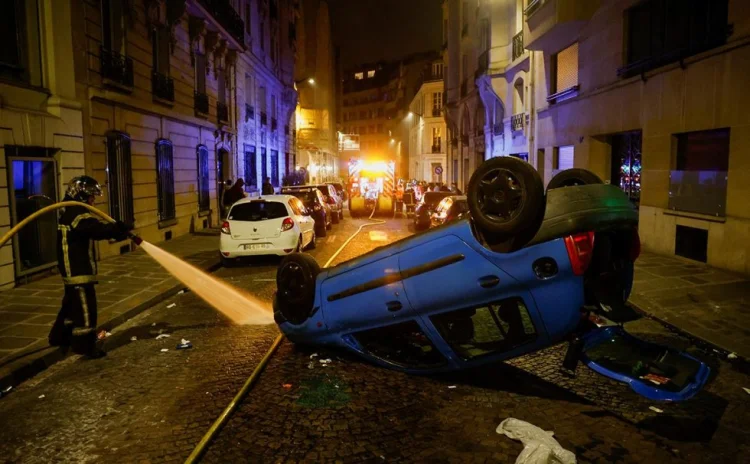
x: 143, y: 405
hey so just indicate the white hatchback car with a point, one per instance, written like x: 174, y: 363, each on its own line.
x: 269, y: 225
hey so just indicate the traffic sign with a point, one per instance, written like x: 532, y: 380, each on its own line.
x: 438, y: 170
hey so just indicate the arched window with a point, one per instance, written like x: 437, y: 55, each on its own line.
x: 518, y: 104
x: 165, y: 180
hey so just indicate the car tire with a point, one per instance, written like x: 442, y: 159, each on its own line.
x: 505, y: 195
x: 335, y: 218
x: 321, y: 232
x: 573, y: 177
x: 295, y: 282
x: 228, y: 262
x: 312, y: 245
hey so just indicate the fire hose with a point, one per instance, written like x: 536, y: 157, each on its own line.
x: 200, y: 448
x: 62, y: 204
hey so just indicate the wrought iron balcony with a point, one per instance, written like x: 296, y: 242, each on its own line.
x: 162, y: 86
x: 518, y: 45
x: 249, y: 112
x: 222, y: 112
x: 517, y: 122
x: 116, y: 68
x: 437, y: 148
x: 201, y: 103
x: 274, y: 124
x: 224, y: 13
x: 263, y: 119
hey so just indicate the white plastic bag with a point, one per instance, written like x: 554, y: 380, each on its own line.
x: 538, y: 446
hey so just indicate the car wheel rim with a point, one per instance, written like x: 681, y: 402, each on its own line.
x: 501, y: 195
x: 292, y: 281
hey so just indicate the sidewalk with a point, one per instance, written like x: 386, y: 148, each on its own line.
x: 708, y: 303
x: 128, y: 284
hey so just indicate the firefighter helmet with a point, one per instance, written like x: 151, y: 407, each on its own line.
x: 82, y: 187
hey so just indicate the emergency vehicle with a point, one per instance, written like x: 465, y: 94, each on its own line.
x: 371, y: 185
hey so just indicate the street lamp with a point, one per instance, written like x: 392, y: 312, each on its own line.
x: 309, y: 80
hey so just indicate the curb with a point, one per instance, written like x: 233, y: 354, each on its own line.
x: 52, y: 355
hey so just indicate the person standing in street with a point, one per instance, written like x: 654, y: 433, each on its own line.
x: 77, y: 228
x: 267, y: 188
x: 234, y: 194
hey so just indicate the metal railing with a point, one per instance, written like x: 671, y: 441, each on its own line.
x: 518, y: 45
x: 222, y: 112
x: 162, y: 86
x: 517, y: 121
x: 201, y: 103
x: 116, y: 67
x: 225, y: 14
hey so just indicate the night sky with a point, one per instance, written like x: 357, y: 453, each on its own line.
x: 373, y: 30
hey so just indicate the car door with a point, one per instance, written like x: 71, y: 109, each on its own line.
x: 469, y: 307
x: 306, y: 223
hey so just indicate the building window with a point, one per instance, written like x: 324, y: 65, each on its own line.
x: 437, y: 70
x: 262, y: 35
x: 119, y: 177
x: 162, y: 84
x: 437, y: 102
x: 249, y: 108
x: 664, y: 31
x: 263, y: 164
x: 464, y: 18
x: 563, y: 158
x: 371, y: 74
x: 699, y: 182
x: 359, y: 76
x: 20, y: 54
x: 263, y: 103
x: 251, y: 168
x: 248, y: 17
x: 275, y: 168
x: 437, y: 140
x: 165, y: 180
x: 200, y: 73
x: 204, y: 199
x: 113, y: 26
x: 564, y: 80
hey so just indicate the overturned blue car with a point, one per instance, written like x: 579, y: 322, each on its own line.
x: 525, y: 270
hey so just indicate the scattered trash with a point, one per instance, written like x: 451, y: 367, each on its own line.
x: 538, y: 445
x: 451, y: 386
x: 184, y: 345
x: 732, y: 356
x: 655, y: 409
x: 41, y: 397
x: 5, y: 391
x: 133, y: 338
x: 181, y: 292
x: 160, y: 336
x: 311, y: 365
x: 325, y: 361
x: 747, y: 390
x: 313, y: 355
x: 172, y: 305
x: 153, y: 325
x: 287, y: 386
x: 164, y: 350
x: 103, y: 334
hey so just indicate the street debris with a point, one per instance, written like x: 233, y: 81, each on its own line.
x: 287, y: 386
x: 153, y: 325
x: 184, y: 344
x: 538, y: 445
x: 164, y: 350
x: 451, y: 386
x: 103, y: 334
x: 133, y: 338
x: 655, y: 409
x: 313, y: 355
x: 311, y: 365
x: 160, y: 336
x: 172, y: 305
x: 41, y: 397
x: 325, y: 361
x: 747, y: 390
x: 181, y: 292
x: 5, y: 391
x: 732, y: 356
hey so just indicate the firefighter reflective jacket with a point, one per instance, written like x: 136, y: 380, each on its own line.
x: 76, y: 229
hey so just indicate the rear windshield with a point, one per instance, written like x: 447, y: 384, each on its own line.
x: 258, y: 211
x: 433, y: 198
x: 308, y: 198
x: 339, y: 188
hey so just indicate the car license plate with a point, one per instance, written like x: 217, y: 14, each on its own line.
x: 256, y: 246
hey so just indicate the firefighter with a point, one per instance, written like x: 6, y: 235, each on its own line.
x: 75, y: 326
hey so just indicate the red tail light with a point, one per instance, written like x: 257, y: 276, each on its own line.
x: 225, y: 228
x: 287, y: 224
x: 580, y: 250
x: 635, y: 246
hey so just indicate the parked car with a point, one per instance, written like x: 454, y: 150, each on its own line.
x: 340, y: 190
x: 271, y: 225
x: 426, y: 207
x: 449, y: 209
x: 316, y: 204
x: 523, y: 271
x: 331, y: 198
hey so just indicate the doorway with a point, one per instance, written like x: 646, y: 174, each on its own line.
x: 222, y: 176
x: 626, y: 164
x: 33, y: 177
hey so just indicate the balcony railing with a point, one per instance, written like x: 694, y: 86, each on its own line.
x: 224, y: 13
x: 162, y: 86
x: 116, y: 68
x: 483, y: 63
x: 201, y: 103
x: 222, y: 112
x: 517, y: 121
x: 263, y: 119
x: 274, y: 124
x: 518, y: 45
x: 436, y: 112
x: 464, y: 86
x: 437, y: 148
x: 702, y: 192
x: 532, y: 7
x: 249, y: 112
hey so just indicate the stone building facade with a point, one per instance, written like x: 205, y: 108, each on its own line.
x: 427, y: 131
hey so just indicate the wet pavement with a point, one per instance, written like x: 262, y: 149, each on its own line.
x: 143, y: 405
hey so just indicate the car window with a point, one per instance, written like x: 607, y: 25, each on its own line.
x: 403, y: 344
x: 433, y: 198
x: 444, y: 205
x: 488, y: 329
x: 295, y: 205
x: 307, y: 198
x: 258, y: 211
